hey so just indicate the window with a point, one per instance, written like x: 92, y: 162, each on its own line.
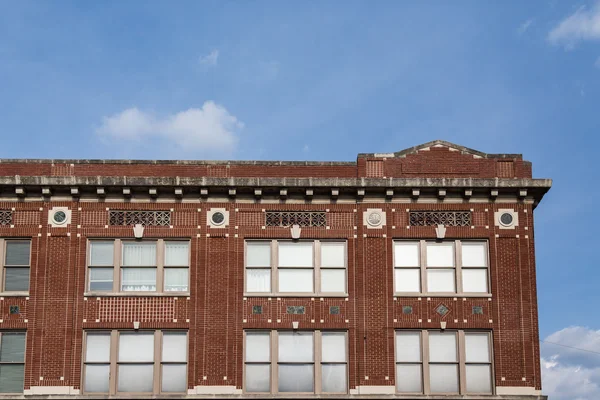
x: 295, y: 362
x: 455, y: 362
x: 441, y: 267
x: 16, y: 262
x: 135, y: 362
x: 12, y: 362
x: 138, y: 266
x: 296, y: 267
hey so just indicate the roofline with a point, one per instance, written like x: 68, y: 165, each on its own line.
x: 462, y: 149
x: 173, y: 162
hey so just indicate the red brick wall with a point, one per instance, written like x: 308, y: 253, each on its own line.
x: 56, y: 308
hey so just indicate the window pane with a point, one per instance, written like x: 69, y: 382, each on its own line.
x: 295, y: 280
x: 139, y: 253
x: 97, y: 347
x: 174, y: 347
x: 258, y: 254
x: 11, y: 378
x: 258, y: 378
x: 96, y: 378
x: 296, y: 378
x: 479, y: 379
x: 298, y: 254
x: 475, y: 280
x: 258, y: 346
x: 16, y: 279
x: 407, y: 280
x: 477, y: 347
x: 333, y: 280
x: 176, y: 279
x: 174, y: 378
x: 101, y: 279
x: 440, y: 254
x: 408, y: 378
x: 258, y: 280
x: 135, y: 378
x: 442, y: 347
x: 13, y: 347
x: 408, y: 346
x: 406, y: 254
x: 333, y: 254
x: 177, y: 253
x: 295, y: 346
x: 138, y: 279
x: 101, y: 253
x: 333, y: 346
x: 473, y: 255
x: 334, y: 379
x: 443, y: 378
x: 136, y: 347
x: 17, y: 253
x: 440, y: 280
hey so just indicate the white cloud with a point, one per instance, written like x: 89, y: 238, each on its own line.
x: 210, y: 59
x: 211, y: 127
x: 567, y: 373
x: 583, y: 24
x: 524, y: 26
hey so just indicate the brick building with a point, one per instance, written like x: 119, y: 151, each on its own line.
x: 403, y: 274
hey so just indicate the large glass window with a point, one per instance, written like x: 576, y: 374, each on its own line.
x: 126, y: 362
x: 303, y: 362
x: 296, y: 267
x: 12, y: 362
x: 16, y: 265
x: 447, y: 267
x: 138, y: 266
x: 456, y: 362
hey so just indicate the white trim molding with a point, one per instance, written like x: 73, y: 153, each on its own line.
x: 517, y: 390
x: 43, y: 390
x: 221, y: 390
x: 376, y: 389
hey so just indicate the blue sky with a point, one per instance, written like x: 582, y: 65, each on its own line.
x: 325, y: 81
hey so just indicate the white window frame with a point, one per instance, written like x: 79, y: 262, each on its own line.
x: 274, y: 269
x: 114, y: 362
x: 457, y: 268
x: 15, y: 363
x: 274, y: 362
x: 461, y: 362
x: 118, y: 267
x: 4, y: 266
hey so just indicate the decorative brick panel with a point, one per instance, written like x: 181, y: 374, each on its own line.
x: 505, y: 169
x: 374, y: 168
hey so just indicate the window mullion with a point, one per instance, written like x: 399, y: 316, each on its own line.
x: 156, y: 387
x: 317, y: 267
x: 274, y: 267
x: 117, y: 257
x: 3, y: 261
x: 274, y: 361
x: 114, y: 354
x: 462, y: 369
x: 423, y: 265
x: 160, y: 263
x: 425, y: 361
x: 458, y: 266
x: 317, y: 360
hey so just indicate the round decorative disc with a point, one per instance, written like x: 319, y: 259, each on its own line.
x: 218, y: 218
x: 59, y: 217
x: 506, y: 219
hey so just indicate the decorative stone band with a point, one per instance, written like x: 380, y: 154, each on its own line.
x: 533, y: 189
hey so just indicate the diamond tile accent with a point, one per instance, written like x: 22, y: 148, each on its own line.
x: 407, y: 310
x: 442, y: 310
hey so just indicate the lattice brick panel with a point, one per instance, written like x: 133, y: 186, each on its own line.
x: 434, y: 218
x: 146, y: 218
x: 301, y: 218
x: 133, y: 309
x: 6, y: 217
x: 374, y: 168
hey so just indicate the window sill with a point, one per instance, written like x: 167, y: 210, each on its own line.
x: 287, y: 295
x: 14, y: 294
x: 437, y: 294
x: 135, y: 294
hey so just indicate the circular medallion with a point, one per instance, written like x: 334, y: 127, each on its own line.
x: 218, y: 218
x: 506, y: 219
x: 374, y: 218
x: 59, y: 217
